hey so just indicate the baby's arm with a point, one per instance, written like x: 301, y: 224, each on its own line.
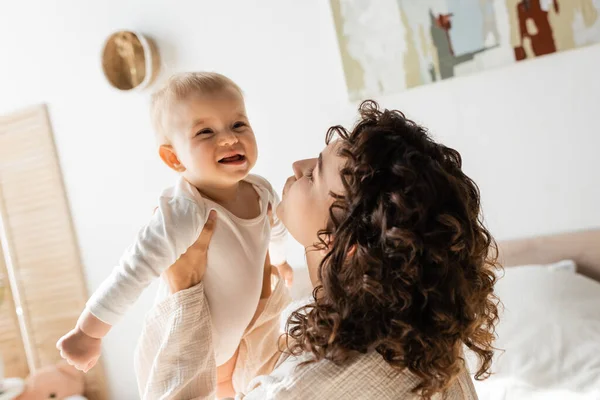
x: 172, y: 229
x: 277, y: 245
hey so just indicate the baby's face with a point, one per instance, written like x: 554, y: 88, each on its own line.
x: 212, y: 138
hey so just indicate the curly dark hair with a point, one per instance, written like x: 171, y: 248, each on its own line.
x: 410, y: 267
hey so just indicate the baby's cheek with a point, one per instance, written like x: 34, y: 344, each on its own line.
x: 205, y: 159
x: 251, y: 148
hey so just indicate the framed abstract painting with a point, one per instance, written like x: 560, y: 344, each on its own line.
x: 391, y: 45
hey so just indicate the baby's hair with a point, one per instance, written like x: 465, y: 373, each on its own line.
x: 179, y: 87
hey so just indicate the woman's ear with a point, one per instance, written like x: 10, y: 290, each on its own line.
x: 167, y: 154
x: 351, y: 250
x: 328, y: 239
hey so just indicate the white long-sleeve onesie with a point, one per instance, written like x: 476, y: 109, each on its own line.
x: 234, y: 275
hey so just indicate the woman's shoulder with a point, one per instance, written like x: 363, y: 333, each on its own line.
x: 365, y: 376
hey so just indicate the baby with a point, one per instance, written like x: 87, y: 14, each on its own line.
x: 204, y: 135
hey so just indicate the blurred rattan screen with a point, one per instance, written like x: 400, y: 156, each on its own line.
x: 12, y: 350
x: 41, y: 268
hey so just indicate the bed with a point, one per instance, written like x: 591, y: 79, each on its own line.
x: 549, y: 332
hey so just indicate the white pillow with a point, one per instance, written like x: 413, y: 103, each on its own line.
x: 549, y: 330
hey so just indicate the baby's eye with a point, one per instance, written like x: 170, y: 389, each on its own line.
x: 205, y: 131
x: 239, y: 125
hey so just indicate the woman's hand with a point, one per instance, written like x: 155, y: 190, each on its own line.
x: 189, y: 269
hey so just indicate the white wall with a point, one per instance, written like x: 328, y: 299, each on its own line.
x: 528, y: 133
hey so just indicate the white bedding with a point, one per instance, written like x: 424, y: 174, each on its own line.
x: 549, y: 329
x: 550, y: 333
x: 513, y: 388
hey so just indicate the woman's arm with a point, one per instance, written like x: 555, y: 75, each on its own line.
x: 175, y: 354
x: 174, y: 358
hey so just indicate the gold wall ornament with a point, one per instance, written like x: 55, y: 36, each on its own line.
x: 129, y: 60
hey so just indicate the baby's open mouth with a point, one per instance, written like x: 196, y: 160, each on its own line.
x: 233, y: 159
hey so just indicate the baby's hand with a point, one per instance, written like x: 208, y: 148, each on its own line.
x: 80, y: 350
x: 286, y: 272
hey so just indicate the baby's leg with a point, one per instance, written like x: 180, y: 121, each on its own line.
x: 224, y: 375
x: 225, y: 371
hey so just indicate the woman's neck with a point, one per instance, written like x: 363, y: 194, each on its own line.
x: 313, y: 260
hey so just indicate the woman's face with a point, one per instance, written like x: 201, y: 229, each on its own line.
x: 304, y: 208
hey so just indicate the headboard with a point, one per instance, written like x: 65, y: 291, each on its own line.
x: 583, y: 247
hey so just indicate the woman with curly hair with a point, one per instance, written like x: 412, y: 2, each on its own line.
x: 403, y: 276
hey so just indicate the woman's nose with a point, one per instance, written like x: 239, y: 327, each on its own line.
x: 301, y: 167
